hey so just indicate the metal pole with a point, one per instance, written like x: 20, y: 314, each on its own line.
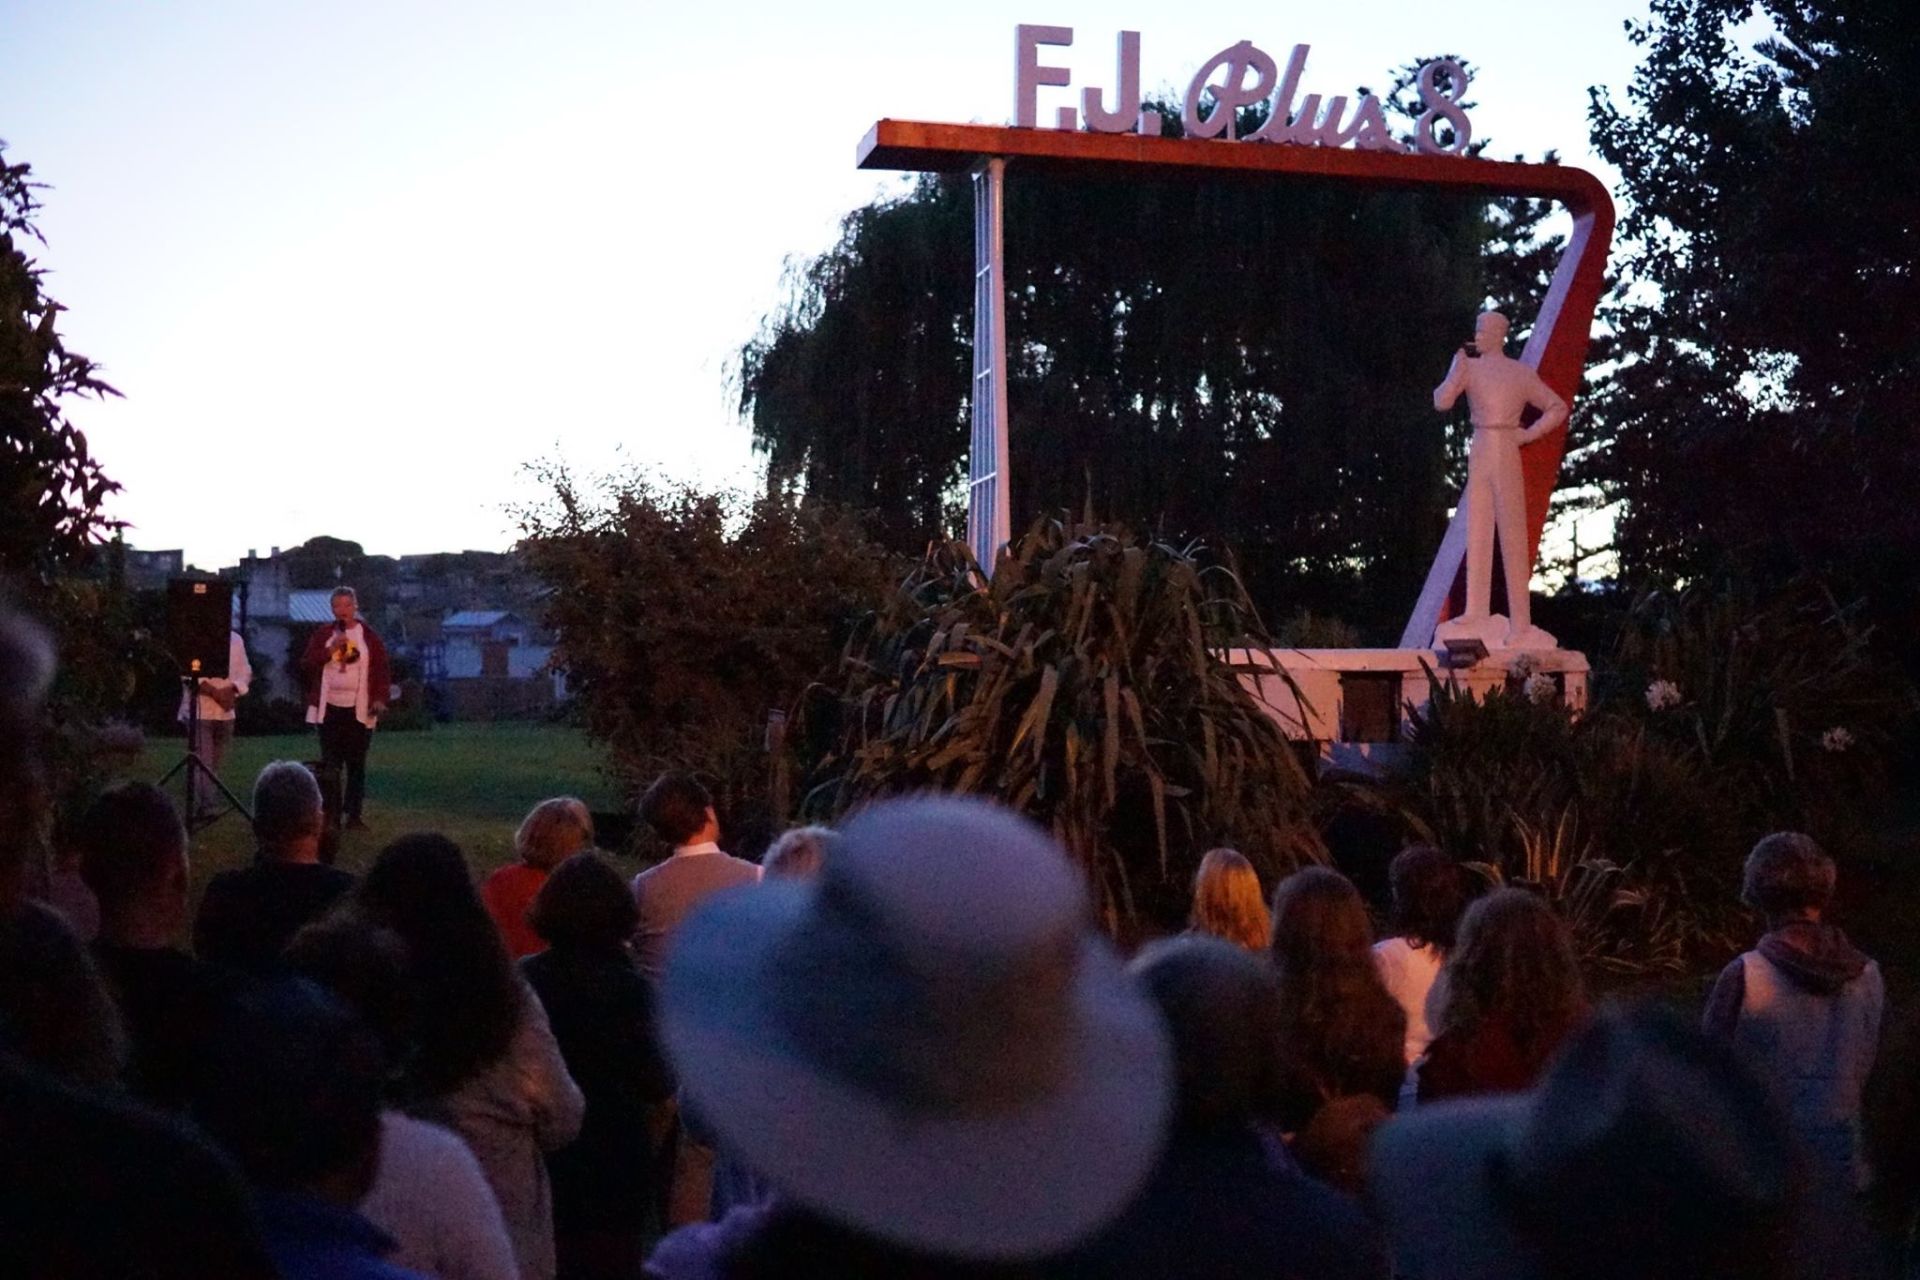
x: 989, y: 514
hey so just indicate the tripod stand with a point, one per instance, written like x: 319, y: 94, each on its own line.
x: 192, y: 768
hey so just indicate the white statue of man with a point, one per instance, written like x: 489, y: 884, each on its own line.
x: 1499, y: 390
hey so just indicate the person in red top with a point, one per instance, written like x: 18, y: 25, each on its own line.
x: 348, y: 677
x: 552, y: 832
x: 1513, y: 993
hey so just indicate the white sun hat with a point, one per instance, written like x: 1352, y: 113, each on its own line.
x: 926, y: 1043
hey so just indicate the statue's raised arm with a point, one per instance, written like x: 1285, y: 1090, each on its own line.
x: 1447, y: 394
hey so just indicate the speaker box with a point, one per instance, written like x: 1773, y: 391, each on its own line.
x: 199, y: 618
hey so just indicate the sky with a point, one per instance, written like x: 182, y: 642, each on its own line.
x: 355, y: 265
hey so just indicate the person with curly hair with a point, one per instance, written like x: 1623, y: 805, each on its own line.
x: 1513, y: 993
x: 1341, y: 1032
x: 1227, y: 902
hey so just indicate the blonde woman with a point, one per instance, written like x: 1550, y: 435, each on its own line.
x: 553, y: 831
x: 1227, y: 902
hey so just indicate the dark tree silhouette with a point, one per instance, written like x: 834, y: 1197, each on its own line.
x: 1762, y: 415
x: 51, y: 486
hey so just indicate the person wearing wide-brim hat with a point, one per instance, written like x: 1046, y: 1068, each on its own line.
x: 925, y: 1050
x: 1647, y: 1151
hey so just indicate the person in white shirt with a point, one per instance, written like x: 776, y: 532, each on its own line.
x: 680, y: 812
x: 1429, y: 893
x: 214, y: 733
x: 348, y: 680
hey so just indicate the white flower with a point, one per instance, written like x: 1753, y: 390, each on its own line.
x: 1662, y: 695
x: 1523, y: 666
x: 1836, y: 739
x: 1540, y: 688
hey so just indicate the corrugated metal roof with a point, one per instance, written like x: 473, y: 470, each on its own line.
x: 474, y: 619
x: 310, y: 606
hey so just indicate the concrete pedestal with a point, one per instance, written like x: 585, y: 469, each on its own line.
x: 1353, y: 704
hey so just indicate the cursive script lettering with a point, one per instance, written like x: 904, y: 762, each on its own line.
x: 1237, y: 78
x: 1239, y: 61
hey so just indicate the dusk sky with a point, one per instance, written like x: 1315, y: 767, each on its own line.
x: 353, y: 265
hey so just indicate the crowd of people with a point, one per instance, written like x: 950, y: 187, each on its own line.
x: 898, y: 1048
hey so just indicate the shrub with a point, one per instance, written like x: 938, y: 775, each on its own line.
x: 1779, y: 698
x: 1082, y: 687
x: 1631, y: 839
x: 684, y: 617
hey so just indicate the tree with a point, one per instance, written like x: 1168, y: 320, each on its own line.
x: 1240, y: 361
x: 684, y: 617
x: 324, y: 561
x: 1762, y: 414
x: 51, y: 523
x: 51, y: 486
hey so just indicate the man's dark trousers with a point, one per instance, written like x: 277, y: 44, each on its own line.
x: 343, y: 744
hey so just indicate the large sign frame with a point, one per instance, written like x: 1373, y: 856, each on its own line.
x: 1557, y: 346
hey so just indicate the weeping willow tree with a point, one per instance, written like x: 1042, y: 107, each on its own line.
x: 1243, y: 360
x: 1082, y: 687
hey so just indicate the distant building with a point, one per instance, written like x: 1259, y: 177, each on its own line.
x: 151, y: 570
x: 493, y: 644
x: 491, y: 664
x: 457, y: 623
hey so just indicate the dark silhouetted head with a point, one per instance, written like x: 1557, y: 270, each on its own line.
x: 584, y: 903
x: 469, y: 999
x: 1787, y: 874
x: 1429, y: 893
x: 1222, y: 1004
x: 364, y: 964
x: 676, y: 807
x: 133, y: 852
x: 54, y: 1008
x: 293, y: 1090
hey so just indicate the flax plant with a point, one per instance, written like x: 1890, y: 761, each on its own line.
x: 1084, y: 686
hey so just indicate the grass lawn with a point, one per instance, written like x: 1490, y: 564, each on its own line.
x: 472, y: 782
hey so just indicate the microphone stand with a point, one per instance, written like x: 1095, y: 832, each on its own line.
x: 191, y: 765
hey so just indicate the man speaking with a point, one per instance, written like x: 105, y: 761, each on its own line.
x: 345, y: 665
